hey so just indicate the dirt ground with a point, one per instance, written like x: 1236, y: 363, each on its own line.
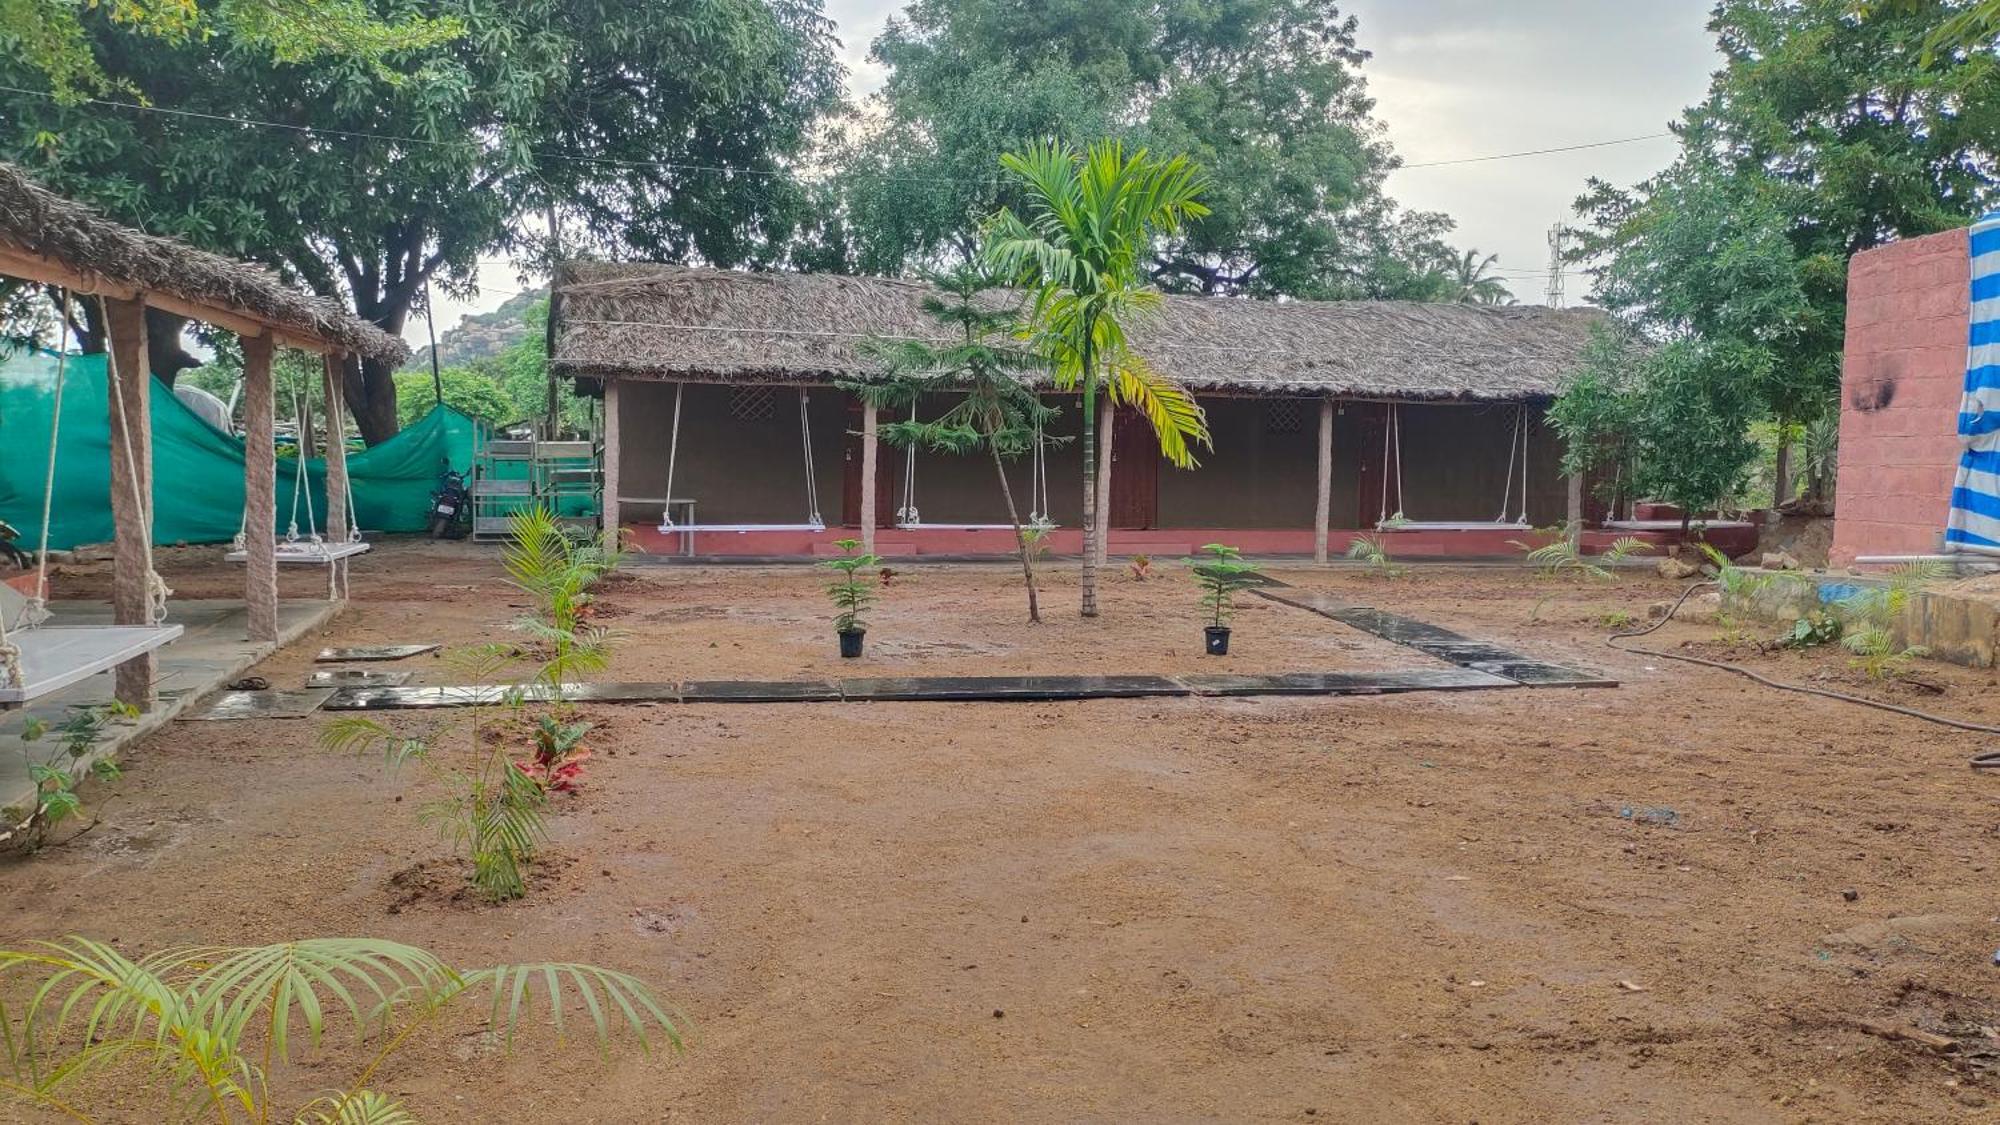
x: 1626, y: 904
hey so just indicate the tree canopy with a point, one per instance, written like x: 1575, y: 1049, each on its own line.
x: 1823, y: 134
x: 662, y: 128
x: 1266, y: 95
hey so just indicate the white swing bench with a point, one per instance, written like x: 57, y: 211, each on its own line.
x: 908, y: 518
x: 52, y: 658
x: 38, y: 659
x: 311, y: 549
x: 814, y: 523
x: 1517, y: 452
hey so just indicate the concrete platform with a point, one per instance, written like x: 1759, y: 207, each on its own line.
x: 211, y: 651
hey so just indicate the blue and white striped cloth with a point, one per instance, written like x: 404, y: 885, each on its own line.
x: 1975, y: 496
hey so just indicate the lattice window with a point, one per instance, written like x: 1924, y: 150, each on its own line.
x: 753, y: 404
x: 1283, y: 417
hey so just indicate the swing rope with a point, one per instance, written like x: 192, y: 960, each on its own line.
x: 907, y: 515
x: 1038, y: 483
x: 37, y: 609
x: 38, y: 604
x: 673, y: 455
x: 157, y: 591
x: 1392, y: 439
x: 1515, y: 440
x: 806, y: 442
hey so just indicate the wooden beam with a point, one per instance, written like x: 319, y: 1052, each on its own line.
x: 608, y: 520
x: 131, y: 491
x: 16, y: 263
x: 1573, y: 522
x: 870, y: 450
x: 260, y: 489
x: 1323, y: 512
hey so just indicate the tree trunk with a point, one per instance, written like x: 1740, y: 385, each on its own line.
x: 1089, y: 582
x: 1781, y: 488
x: 1107, y: 433
x: 1020, y: 536
x: 370, y: 385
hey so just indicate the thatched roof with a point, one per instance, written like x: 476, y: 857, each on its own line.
x: 674, y: 322
x: 36, y: 223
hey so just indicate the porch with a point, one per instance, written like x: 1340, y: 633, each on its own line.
x: 763, y: 470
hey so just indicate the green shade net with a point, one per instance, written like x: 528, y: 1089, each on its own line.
x: 197, y: 471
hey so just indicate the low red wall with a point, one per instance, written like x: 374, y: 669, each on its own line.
x: 1492, y: 543
x: 1908, y: 313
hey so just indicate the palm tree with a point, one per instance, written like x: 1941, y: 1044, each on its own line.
x: 1089, y: 219
x: 999, y: 412
x: 1475, y: 286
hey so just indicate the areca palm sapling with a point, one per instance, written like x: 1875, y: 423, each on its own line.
x: 998, y: 412
x: 1089, y: 220
x: 201, y: 1027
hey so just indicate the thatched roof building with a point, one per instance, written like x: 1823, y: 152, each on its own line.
x: 675, y: 322
x: 37, y: 224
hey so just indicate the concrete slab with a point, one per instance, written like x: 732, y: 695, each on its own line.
x: 1347, y: 683
x: 238, y: 706
x: 759, y: 691
x: 212, y: 650
x: 997, y: 689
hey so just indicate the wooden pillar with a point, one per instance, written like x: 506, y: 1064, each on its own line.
x: 1107, y: 417
x: 608, y: 521
x: 131, y: 490
x: 339, y: 521
x: 260, y: 490
x: 1323, y: 513
x: 870, y: 448
x: 1573, y: 521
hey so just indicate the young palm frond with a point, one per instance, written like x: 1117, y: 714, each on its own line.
x: 207, y: 1021
x: 1369, y: 549
x: 1564, y: 556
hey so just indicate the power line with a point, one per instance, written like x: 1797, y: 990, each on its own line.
x: 363, y: 135
x: 1534, y: 152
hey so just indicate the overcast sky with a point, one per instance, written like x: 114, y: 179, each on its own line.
x: 1455, y: 79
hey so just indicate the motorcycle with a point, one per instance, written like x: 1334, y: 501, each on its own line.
x: 451, y: 507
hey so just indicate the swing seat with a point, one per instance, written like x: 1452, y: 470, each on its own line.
x: 738, y: 528
x: 304, y: 552
x: 920, y: 525
x: 1455, y: 525
x: 55, y: 658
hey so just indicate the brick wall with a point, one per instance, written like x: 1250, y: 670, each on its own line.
x: 1908, y: 311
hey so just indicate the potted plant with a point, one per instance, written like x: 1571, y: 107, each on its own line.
x: 1221, y: 574
x: 852, y: 594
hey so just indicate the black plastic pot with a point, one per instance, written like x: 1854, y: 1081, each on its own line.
x: 850, y: 642
x: 1218, y: 639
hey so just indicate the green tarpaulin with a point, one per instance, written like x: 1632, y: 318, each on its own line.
x: 197, y: 471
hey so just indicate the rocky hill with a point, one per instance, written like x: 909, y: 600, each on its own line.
x: 480, y: 336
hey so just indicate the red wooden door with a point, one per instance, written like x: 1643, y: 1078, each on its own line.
x: 1376, y: 496
x: 1135, y: 472
x: 888, y: 462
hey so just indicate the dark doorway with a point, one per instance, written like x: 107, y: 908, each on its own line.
x: 1135, y: 472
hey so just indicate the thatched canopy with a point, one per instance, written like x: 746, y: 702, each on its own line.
x: 674, y: 322
x: 44, y: 237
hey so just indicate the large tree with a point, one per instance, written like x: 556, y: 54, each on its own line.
x: 1823, y: 134
x: 1266, y: 95
x: 662, y: 128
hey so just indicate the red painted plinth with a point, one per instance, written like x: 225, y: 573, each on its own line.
x: 1479, y: 543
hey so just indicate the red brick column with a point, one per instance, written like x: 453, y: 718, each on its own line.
x: 1908, y: 311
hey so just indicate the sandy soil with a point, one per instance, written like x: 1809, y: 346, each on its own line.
x: 1598, y: 905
